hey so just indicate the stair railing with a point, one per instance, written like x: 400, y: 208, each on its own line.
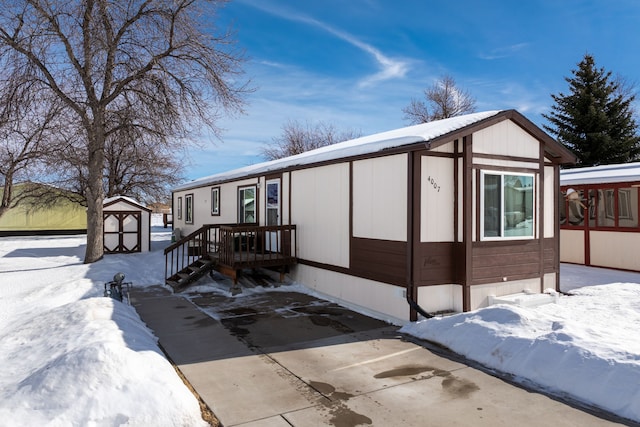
x: 198, y: 245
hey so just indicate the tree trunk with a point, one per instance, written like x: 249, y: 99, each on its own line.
x: 95, y: 192
x: 5, y: 204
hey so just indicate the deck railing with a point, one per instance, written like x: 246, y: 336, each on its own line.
x: 245, y: 246
x: 232, y: 246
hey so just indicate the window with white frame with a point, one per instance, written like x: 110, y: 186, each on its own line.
x: 179, y: 207
x: 507, y: 205
x: 188, y: 209
x: 247, y: 205
x: 215, y: 201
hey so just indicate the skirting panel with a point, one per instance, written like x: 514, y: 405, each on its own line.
x: 379, y: 300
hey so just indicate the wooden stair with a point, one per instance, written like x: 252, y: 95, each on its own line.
x: 190, y: 274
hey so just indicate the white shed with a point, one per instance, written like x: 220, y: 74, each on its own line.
x: 127, y: 226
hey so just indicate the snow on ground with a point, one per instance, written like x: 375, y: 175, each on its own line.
x: 585, y: 347
x: 69, y: 356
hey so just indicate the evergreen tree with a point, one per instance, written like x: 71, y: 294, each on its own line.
x: 595, y: 120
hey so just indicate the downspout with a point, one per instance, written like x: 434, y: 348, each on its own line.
x: 411, y: 289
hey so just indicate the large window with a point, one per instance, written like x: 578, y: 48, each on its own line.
x: 507, y: 203
x: 247, y: 204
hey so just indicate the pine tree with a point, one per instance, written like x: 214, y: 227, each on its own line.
x: 595, y: 120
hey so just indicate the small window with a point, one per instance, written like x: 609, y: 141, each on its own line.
x: 179, y: 207
x: 507, y: 206
x: 215, y: 201
x: 247, y: 205
x: 188, y: 207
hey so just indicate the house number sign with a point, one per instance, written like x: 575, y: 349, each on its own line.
x: 431, y: 180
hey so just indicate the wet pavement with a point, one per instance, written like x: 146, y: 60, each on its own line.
x: 283, y: 358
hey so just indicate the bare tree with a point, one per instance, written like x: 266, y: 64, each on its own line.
x: 100, y: 57
x: 29, y: 123
x: 297, y: 138
x: 138, y: 163
x: 443, y: 100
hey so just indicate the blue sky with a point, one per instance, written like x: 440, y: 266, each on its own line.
x: 357, y: 63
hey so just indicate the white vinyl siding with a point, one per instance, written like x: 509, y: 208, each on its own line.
x: 380, y: 198
x: 320, y: 210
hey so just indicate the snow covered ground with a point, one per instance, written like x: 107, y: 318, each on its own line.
x: 69, y: 356
x: 586, y: 346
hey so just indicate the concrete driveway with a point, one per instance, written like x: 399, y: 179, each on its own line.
x: 282, y: 359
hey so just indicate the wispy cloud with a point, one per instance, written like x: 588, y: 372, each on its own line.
x: 390, y: 68
x: 502, y: 52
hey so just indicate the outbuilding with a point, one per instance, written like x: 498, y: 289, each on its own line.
x: 127, y: 226
x: 599, y: 216
x: 430, y: 218
x: 61, y: 216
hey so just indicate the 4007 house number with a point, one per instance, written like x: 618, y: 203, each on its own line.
x: 434, y: 183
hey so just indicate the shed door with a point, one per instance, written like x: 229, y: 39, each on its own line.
x: 122, y: 232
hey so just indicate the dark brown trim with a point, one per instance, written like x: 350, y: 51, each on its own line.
x: 379, y: 260
x: 556, y: 227
x: 467, y: 218
x: 345, y: 271
x: 290, y: 192
x: 509, y: 158
x: 477, y: 202
x: 456, y: 185
x: 350, y: 213
x: 505, y: 168
x: 413, y: 216
x: 539, y: 214
x: 269, y: 176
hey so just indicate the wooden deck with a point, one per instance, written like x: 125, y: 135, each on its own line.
x: 229, y: 249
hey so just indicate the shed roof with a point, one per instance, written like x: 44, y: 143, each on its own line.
x: 128, y: 200
x: 432, y: 133
x: 604, y: 174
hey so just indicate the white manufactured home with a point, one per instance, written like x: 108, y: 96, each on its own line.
x: 430, y: 218
x: 599, y: 216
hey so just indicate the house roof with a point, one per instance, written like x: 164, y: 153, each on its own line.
x: 604, y: 174
x: 432, y: 133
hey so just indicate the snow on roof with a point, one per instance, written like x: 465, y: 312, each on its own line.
x: 129, y: 200
x: 601, y: 174
x: 364, y: 145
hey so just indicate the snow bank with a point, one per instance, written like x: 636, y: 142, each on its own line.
x: 70, y: 356
x: 586, y: 346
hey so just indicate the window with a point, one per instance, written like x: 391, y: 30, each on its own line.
x: 215, y: 201
x: 607, y: 207
x: 247, y: 205
x: 188, y: 207
x: 628, y: 207
x: 507, y: 205
x: 179, y: 207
